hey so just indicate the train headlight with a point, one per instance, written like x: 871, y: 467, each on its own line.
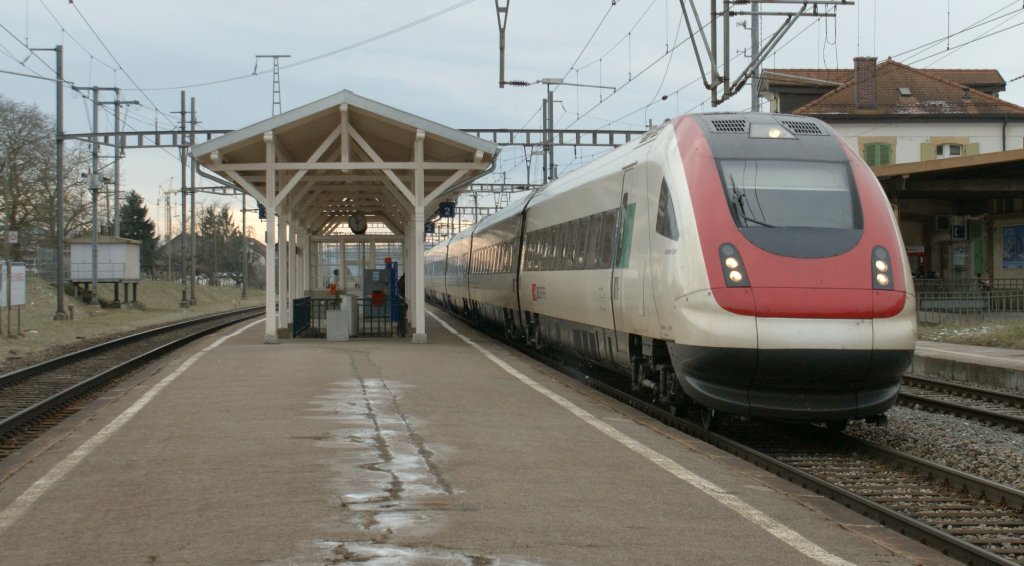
x: 732, y: 266
x: 880, y: 265
x: 770, y: 131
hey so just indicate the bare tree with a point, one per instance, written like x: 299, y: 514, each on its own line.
x: 28, y: 178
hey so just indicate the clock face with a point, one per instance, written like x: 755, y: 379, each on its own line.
x: 357, y: 223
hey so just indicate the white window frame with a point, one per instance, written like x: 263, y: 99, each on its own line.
x: 945, y: 150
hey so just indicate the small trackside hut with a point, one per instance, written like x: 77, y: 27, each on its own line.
x: 326, y: 170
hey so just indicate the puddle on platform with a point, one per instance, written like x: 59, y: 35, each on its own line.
x: 384, y: 554
x: 386, y: 482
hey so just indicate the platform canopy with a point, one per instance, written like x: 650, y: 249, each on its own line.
x: 316, y: 166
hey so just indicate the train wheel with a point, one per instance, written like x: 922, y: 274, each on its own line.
x: 708, y: 418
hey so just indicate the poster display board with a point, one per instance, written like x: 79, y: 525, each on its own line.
x: 17, y: 290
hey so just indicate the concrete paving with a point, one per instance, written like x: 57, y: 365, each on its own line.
x: 387, y: 452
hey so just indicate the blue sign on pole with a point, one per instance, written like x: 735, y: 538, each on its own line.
x: 428, y: 228
x: 446, y: 210
x: 262, y: 211
x: 959, y: 232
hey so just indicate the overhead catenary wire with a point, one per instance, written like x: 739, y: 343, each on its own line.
x: 120, y: 67
x: 348, y: 47
x: 65, y: 32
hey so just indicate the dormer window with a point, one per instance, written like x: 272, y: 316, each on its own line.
x: 904, y: 92
x: 946, y: 150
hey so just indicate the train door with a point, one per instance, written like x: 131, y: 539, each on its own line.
x: 623, y: 283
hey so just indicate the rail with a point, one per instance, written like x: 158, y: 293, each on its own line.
x: 33, y: 393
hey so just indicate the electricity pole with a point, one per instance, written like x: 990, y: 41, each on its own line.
x: 755, y: 55
x: 184, y: 230
x: 59, y: 189
x: 192, y: 194
x: 275, y: 103
x: 118, y: 154
x: 94, y: 187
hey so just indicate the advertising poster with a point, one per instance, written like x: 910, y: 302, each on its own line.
x: 17, y: 290
x: 1013, y: 246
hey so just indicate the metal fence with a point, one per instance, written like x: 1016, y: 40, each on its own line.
x: 375, y: 317
x: 942, y: 301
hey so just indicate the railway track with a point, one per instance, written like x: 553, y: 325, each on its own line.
x: 968, y: 518
x: 34, y: 399
x: 1002, y: 409
x: 965, y: 517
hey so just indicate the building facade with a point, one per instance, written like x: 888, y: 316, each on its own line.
x: 960, y: 219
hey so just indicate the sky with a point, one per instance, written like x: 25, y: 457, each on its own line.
x: 439, y: 59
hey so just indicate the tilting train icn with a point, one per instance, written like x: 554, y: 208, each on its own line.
x: 747, y: 264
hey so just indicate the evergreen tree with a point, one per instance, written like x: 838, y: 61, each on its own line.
x: 136, y: 225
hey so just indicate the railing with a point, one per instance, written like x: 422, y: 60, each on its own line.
x: 375, y: 316
x: 968, y: 305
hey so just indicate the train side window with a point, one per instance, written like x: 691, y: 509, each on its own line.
x: 666, y: 223
x: 563, y: 244
x: 593, y: 241
x: 581, y: 243
x: 539, y: 258
x: 563, y: 248
x: 531, y: 251
x: 559, y: 250
x: 607, y: 239
x: 549, y: 248
x: 573, y: 245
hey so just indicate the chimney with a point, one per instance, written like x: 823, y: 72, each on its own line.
x: 864, y: 82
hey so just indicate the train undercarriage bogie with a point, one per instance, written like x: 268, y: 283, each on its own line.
x: 651, y: 372
x: 509, y: 323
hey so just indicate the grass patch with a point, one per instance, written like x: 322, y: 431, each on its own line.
x: 159, y: 304
x: 999, y: 334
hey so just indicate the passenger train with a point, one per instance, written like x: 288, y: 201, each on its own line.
x: 747, y: 264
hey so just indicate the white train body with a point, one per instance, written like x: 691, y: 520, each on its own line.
x: 629, y: 263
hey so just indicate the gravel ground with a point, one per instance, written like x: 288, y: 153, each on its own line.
x: 992, y: 453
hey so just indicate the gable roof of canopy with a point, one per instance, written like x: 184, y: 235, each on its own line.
x: 345, y: 154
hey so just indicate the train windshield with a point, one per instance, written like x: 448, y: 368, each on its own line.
x: 790, y: 194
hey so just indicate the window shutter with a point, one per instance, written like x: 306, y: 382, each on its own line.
x: 877, y: 154
x: 927, y: 151
x: 884, y: 154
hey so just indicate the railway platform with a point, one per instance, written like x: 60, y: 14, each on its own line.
x: 981, y: 366
x: 458, y: 451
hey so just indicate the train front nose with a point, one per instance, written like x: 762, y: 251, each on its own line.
x: 808, y: 369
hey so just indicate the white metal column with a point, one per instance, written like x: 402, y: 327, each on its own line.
x: 282, y: 275
x: 420, y: 325
x: 270, y: 336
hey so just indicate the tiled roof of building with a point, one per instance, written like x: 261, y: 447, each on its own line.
x: 900, y: 90
x: 815, y: 77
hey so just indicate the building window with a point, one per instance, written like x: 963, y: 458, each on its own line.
x: 877, y: 154
x: 945, y: 150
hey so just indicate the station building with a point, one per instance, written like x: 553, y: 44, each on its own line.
x: 948, y: 152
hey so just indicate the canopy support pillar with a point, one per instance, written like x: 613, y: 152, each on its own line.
x: 420, y: 325
x: 270, y: 335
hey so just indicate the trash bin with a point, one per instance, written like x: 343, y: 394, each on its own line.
x: 342, y: 322
x: 337, y: 326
